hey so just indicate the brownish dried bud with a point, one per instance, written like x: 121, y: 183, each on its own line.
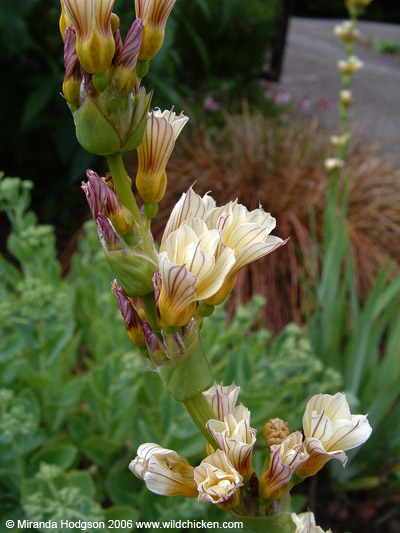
x: 275, y: 431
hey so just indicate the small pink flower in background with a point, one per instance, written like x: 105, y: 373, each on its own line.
x: 305, y: 103
x: 211, y: 105
x: 323, y: 103
x: 282, y: 98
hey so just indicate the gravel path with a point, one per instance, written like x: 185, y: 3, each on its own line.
x: 309, y: 70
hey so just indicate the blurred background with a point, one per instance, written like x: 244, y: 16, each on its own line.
x: 299, y: 322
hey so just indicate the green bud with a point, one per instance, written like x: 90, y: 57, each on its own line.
x: 133, y: 270
x: 142, y: 68
x: 205, y: 309
x: 100, y: 81
x: 132, y: 267
x: 150, y: 210
x: 138, y: 120
x: 107, y: 123
x: 94, y: 132
x: 187, y: 377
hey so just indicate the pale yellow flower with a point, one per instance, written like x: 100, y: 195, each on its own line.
x: 162, y: 130
x: 333, y: 163
x: 235, y: 237
x: 154, y: 14
x: 339, y: 140
x: 346, y: 97
x: 236, y: 438
x: 95, y: 43
x: 305, y: 523
x: 350, y: 65
x: 222, y: 399
x: 347, y: 31
x: 193, y: 262
x: 330, y: 429
x: 285, y: 459
x: 164, y: 471
x: 218, y: 481
x: 247, y: 233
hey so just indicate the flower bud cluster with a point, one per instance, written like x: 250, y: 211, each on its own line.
x: 328, y: 431
x: 101, y: 83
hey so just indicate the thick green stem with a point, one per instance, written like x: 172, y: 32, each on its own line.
x: 126, y: 197
x: 201, y: 412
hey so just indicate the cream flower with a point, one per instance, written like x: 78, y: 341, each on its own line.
x: 190, y: 270
x: 305, y: 523
x: 247, y: 233
x: 95, y: 43
x: 222, y: 399
x: 346, y: 97
x: 162, y: 130
x: 350, y: 65
x: 330, y: 429
x: 154, y: 14
x: 236, y: 438
x: 218, y: 481
x: 339, y: 140
x: 164, y: 471
x: 346, y: 31
x: 285, y: 459
x: 333, y: 163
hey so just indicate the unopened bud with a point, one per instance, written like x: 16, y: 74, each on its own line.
x: 133, y: 324
x: 275, y: 431
x: 123, y: 74
x: 346, y: 97
x: 73, y: 72
x: 154, y: 14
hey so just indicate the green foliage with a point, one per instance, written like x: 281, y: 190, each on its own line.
x: 382, y: 45
x: 220, y: 49
x: 76, y: 400
x: 360, y: 339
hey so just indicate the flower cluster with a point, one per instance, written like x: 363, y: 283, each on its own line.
x: 202, y: 250
x: 103, y: 74
x: 329, y: 430
x: 349, y: 34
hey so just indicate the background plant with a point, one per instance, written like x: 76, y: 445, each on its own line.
x: 65, y: 454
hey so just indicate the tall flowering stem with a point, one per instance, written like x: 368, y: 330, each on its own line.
x: 126, y: 197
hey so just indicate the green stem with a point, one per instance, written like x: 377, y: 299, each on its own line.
x: 151, y: 311
x: 201, y: 412
x: 126, y: 197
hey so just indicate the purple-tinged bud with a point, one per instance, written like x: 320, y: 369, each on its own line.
x: 133, y: 324
x: 133, y: 268
x: 124, y: 76
x: 73, y: 72
x: 107, y: 234
x: 103, y: 199
x: 118, y: 44
x: 157, y: 282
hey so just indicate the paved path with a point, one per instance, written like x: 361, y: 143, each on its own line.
x: 310, y: 70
